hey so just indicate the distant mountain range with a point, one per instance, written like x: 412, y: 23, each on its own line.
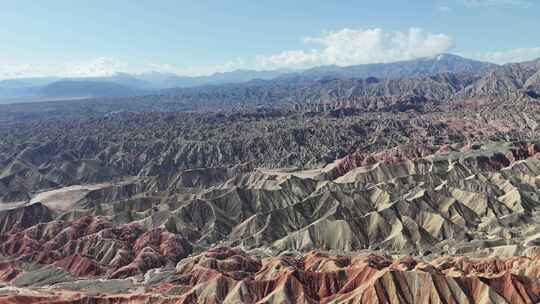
x: 444, y: 63
x: 124, y: 84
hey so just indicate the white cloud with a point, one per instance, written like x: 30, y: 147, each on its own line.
x: 15, y: 71
x: 342, y: 47
x: 508, y: 56
x: 444, y: 8
x: 107, y: 66
x: 504, y: 3
x: 102, y: 66
x: 197, y: 70
x: 349, y: 47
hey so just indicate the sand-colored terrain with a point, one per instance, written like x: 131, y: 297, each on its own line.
x: 64, y: 198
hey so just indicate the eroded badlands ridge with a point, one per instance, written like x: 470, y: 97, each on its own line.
x: 408, y: 200
x: 413, y: 189
x: 224, y: 275
x: 40, y: 155
x: 135, y: 237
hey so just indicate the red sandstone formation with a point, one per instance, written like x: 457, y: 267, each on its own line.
x: 224, y: 275
x: 90, y: 246
x: 496, y: 161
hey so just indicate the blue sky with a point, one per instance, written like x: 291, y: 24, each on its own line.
x: 79, y: 38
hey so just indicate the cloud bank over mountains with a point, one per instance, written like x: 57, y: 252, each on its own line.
x: 341, y: 47
x: 350, y: 47
x: 101, y: 66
